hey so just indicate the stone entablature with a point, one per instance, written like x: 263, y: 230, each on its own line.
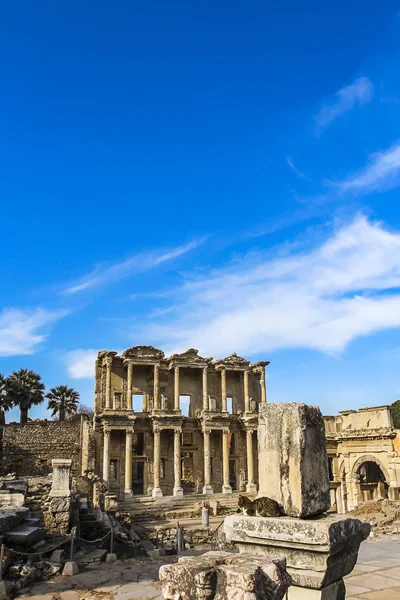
x: 146, y: 370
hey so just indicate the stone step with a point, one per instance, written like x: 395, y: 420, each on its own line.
x: 43, y: 546
x: 32, y: 521
x: 97, y: 555
x: 25, y: 535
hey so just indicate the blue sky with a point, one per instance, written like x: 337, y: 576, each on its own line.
x: 219, y: 175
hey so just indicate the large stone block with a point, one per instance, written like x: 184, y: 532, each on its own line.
x: 318, y: 551
x: 293, y: 464
x: 225, y: 576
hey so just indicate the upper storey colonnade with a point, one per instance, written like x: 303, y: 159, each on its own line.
x: 138, y: 371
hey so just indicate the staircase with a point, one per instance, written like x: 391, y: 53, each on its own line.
x: 143, y: 509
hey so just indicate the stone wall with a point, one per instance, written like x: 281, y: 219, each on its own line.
x: 29, y: 448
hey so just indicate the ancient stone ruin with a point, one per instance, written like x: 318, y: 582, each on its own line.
x: 318, y: 550
x: 225, y: 576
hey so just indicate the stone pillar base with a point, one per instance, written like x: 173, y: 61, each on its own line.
x: 178, y: 491
x: 334, y: 591
x: 251, y: 488
x: 157, y: 493
x: 207, y: 489
x: 226, y: 489
x: 319, y: 552
x: 128, y: 494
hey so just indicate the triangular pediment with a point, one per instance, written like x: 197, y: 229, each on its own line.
x: 143, y: 353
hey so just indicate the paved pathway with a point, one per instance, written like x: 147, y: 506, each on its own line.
x: 377, y: 572
x: 376, y: 577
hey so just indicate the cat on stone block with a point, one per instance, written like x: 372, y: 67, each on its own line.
x: 260, y: 507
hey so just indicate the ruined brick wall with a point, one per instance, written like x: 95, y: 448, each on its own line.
x: 29, y: 448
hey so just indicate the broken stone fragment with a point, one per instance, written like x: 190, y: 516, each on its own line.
x: 225, y: 576
x: 293, y: 463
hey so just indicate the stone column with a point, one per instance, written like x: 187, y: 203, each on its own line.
x: 246, y: 391
x: 106, y: 455
x: 128, y: 463
x: 176, y: 388
x: 108, y: 382
x: 251, y: 487
x: 226, y: 488
x: 223, y: 389
x: 207, y: 489
x: 129, y: 377
x: 263, y: 387
x: 205, y: 389
x: 157, y: 492
x: 156, y: 392
x: 178, y: 491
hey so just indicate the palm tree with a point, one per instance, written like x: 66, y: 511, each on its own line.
x: 24, y: 389
x: 63, y: 400
x: 5, y: 402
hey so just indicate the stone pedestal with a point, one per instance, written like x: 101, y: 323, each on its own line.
x: 60, y: 487
x: 57, y: 515
x: 225, y: 576
x: 292, y: 459
x: 319, y: 552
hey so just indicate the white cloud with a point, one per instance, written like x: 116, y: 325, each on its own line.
x: 359, y: 92
x: 320, y: 299
x: 80, y: 363
x: 135, y: 264
x: 382, y: 172
x: 23, y: 330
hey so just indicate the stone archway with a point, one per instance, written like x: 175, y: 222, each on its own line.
x: 371, y: 478
x: 369, y: 458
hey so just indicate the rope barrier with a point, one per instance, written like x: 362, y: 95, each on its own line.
x: 93, y: 541
x: 68, y: 538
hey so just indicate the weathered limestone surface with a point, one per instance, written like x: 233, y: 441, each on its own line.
x: 225, y: 576
x: 11, y: 499
x: 318, y: 552
x: 57, y: 515
x: 293, y: 464
x: 29, y: 448
x: 61, y: 478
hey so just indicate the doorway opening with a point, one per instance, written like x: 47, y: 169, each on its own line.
x: 138, y: 477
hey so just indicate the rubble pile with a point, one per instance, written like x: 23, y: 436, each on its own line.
x: 382, y: 515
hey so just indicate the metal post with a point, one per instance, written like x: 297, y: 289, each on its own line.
x: 178, y: 538
x: 1, y: 561
x: 73, y: 530
x: 205, y: 517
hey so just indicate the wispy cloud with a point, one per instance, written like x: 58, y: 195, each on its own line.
x: 295, y: 170
x: 80, y: 363
x: 359, y: 92
x: 382, y: 172
x: 322, y: 299
x: 22, y: 331
x: 105, y: 275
